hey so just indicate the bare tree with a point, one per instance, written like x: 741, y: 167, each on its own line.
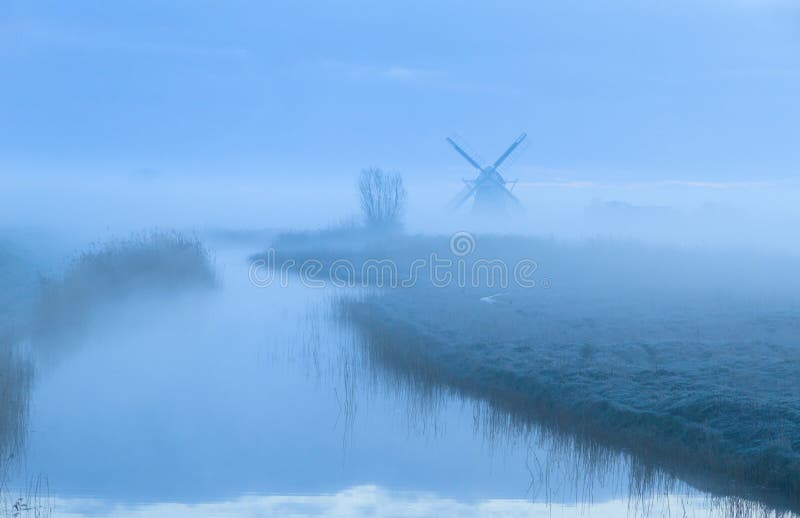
x: 383, y: 198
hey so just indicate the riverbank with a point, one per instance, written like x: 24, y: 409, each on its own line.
x: 685, y: 359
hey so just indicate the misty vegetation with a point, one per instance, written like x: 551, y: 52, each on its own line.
x: 16, y: 374
x: 573, y: 464
x: 16, y: 370
x: 378, y: 231
x: 670, y: 355
x: 382, y: 197
x: 160, y: 261
x: 108, y: 272
x: 683, y: 357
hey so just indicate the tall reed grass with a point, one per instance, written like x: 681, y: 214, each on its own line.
x: 155, y: 261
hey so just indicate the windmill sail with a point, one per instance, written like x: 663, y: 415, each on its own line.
x: 464, y: 154
x: 510, y: 150
x: 463, y: 196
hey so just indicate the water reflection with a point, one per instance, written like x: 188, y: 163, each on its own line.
x: 16, y: 376
x: 15, y: 384
x: 376, y: 502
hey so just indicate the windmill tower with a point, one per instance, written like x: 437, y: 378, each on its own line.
x: 491, y: 192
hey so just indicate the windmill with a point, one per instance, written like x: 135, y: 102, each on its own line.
x: 490, y: 190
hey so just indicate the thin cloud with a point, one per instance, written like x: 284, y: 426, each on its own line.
x: 693, y: 184
x: 398, y: 73
x: 357, y: 71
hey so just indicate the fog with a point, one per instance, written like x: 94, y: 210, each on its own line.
x: 154, y: 156
x: 728, y: 215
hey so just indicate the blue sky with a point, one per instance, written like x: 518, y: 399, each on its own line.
x: 698, y: 90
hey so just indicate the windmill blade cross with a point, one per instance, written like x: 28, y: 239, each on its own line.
x: 513, y: 198
x: 467, y: 193
x: 463, y: 153
x: 502, y: 185
x: 510, y: 150
x: 489, y: 178
x: 459, y: 199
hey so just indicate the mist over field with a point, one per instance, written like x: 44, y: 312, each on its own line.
x: 609, y: 190
x: 737, y: 215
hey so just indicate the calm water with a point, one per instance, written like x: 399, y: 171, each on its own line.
x: 252, y: 401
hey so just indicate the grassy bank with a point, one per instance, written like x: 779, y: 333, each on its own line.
x: 721, y: 413
x: 686, y: 359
